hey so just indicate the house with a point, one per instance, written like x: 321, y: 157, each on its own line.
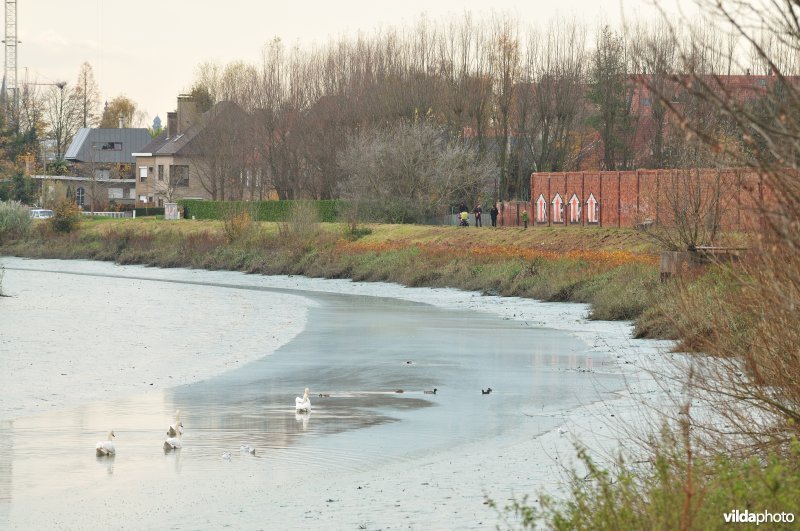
x: 197, y: 156
x: 102, y: 162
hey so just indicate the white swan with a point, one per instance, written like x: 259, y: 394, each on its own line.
x: 302, y: 404
x: 176, y: 430
x: 172, y: 443
x: 106, y: 448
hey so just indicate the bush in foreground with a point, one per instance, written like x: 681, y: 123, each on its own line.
x: 677, y: 491
x: 66, y: 216
x: 15, y: 221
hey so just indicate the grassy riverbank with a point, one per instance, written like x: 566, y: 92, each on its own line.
x: 614, y: 270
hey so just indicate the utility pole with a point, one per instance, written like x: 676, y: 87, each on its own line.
x: 10, y: 73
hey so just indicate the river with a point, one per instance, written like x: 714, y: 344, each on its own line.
x: 86, y: 347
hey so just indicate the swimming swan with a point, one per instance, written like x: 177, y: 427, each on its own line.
x: 302, y: 404
x: 176, y: 429
x: 106, y: 448
x: 172, y: 443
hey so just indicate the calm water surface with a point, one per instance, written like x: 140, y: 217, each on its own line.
x: 357, y: 351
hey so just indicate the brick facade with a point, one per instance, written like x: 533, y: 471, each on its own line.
x: 630, y: 198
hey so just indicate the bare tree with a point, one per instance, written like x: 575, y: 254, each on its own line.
x: 555, y: 69
x: 222, y: 151
x: 87, y: 95
x: 751, y: 337
x: 62, y: 117
x: 506, y: 66
x: 411, y: 173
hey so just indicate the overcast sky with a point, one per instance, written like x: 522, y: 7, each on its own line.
x: 148, y: 50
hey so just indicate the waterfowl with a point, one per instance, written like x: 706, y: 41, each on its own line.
x: 172, y: 443
x: 302, y: 404
x: 487, y: 391
x: 399, y: 391
x: 246, y: 448
x: 106, y: 448
x: 324, y: 395
x: 226, y: 456
x: 431, y: 392
x: 176, y: 429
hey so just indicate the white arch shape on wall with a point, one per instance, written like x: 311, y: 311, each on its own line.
x: 592, y: 209
x: 541, y: 209
x: 574, y: 209
x: 558, y: 208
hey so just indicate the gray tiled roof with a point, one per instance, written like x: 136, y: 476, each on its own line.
x: 155, y: 144
x: 84, y: 146
x: 179, y: 143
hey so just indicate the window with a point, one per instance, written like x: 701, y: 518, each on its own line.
x: 80, y: 196
x: 179, y: 175
x: 102, y: 174
x: 160, y: 172
x: 107, y: 146
x: 142, y: 174
x: 646, y: 102
x: 115, y: 193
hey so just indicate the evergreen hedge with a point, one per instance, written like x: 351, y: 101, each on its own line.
x: 259, y: 210
x: 149, y: 211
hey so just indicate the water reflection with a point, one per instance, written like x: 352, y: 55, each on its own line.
x: 302, y: 418
x: 355, y: 353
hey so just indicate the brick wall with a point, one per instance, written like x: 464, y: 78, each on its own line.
x: 628, y: 198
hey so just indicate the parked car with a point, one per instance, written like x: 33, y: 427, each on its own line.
x: 41, y: 213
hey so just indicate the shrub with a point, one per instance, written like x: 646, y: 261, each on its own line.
x: 66, y: 216
x: 302, y: 221
x: 15, y: 221
x: 237, y: 225
x: 677, y: 491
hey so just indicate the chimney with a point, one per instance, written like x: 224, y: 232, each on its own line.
x: 172, y: 124
x: 121, y: 122
x: 187, y: 112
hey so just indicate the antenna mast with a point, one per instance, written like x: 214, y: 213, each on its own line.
x: 10, y: 75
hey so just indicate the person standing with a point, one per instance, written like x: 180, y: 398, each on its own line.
x: 493, y: 212
x: 525, y: 218
x: 477, y: 211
